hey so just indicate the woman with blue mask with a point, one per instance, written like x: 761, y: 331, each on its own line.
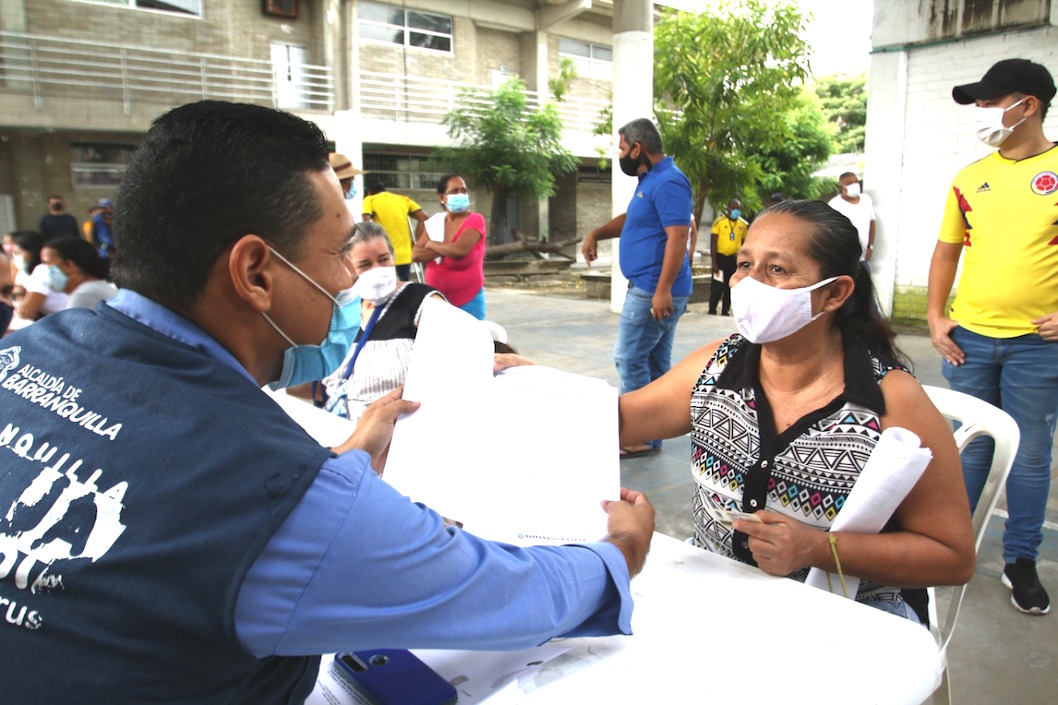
x: 33, y: 297
x: 76, y: 269
x: 785, y: 413
x: 460, y: 273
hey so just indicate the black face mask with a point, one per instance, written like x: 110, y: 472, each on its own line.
x: 631, y: 166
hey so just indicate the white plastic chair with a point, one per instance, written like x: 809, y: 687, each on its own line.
x: 978, y: 418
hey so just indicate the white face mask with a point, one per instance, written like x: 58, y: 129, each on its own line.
x: 376, y: 284
x: 764, y: 313
x: 988, y: 123
x: 853, y: 190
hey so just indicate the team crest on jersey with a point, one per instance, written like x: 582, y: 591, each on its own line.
x: 9, y: 360
x: 1045, y: 183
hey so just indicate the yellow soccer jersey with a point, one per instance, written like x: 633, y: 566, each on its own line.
x: 1005, y: 213
x: 391, y: 211
x: 729, y: 236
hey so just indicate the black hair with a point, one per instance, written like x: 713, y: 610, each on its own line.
x: 442, y: 183
x: 373, y: 185
x: 835, y: 245
x: 644, y: 132
x: 30, y: 242
x: 82, y: 253
x: 205, y: 175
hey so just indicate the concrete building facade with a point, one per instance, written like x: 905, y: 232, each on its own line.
x: 81, y: 80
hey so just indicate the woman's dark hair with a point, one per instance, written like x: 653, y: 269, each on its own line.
x: 835, y: 245
x: 205, y: 175
x: 82, y: 253
x: 30, y: 242
x: 442, y: 184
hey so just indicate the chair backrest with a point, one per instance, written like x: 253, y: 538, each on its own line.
x: 977, y: 418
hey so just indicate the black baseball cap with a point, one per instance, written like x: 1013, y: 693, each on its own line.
x: 1006, y: 77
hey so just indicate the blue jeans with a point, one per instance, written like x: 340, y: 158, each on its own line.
x: 643, y: 351
x: 897, y: 607
x: 476, y: 306
x: 1020, y: 376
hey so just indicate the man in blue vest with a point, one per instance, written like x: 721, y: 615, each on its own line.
x: 168, y: 533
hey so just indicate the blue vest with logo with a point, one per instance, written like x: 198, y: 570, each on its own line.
x: 139, y: 480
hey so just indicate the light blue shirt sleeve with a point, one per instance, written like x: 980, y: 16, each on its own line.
x: 357, y: 565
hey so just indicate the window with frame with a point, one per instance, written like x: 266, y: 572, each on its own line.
x: 410, y: 28
x: 591, y: 60
x: 99, y: 165
x: 191, y: 8
x: 406, y: 172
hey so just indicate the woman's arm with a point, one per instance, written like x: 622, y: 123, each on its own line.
x: 662, y: 409
x: 934, y: 544
x: 29, y: 305
x: 459, y: 248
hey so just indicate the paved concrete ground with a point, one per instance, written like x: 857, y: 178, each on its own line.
x: 998, y: 655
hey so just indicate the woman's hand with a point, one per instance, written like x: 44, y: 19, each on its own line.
x: 503, y: 361
x: 782, y: 545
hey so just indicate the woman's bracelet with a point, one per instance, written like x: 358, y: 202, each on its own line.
x: 833, y: 538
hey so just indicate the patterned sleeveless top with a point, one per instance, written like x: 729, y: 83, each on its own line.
x: 806, y: 473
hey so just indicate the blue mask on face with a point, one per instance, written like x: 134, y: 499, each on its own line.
x: 56, y: 278
x: 351, y: 193
x: 735, y: 214
x: 458, y: 203
x: 309, y: 363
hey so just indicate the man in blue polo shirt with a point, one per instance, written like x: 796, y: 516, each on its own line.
x: 653, y: 257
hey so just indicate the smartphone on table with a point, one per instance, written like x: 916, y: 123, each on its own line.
x: 395, y: 677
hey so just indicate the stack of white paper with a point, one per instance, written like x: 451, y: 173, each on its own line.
x: 525, y: 457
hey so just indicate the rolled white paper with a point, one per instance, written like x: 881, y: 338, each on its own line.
x: 895, y: 465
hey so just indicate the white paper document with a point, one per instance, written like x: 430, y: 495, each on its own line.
x: 525, y: 457
x: 894, y: 467
x: 328, y: 429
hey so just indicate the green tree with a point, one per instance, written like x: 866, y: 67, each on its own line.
x: 506, y: 148
x: 844, y: 103
x: 788, y: 166
x: 724, y: 81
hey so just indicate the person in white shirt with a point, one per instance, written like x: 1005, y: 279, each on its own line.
x: 33, y: 297
x: 75, y: 268
x: 858, y: 207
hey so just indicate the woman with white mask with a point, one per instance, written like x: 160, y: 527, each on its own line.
x: 389, y: 311
x: 785, y: 413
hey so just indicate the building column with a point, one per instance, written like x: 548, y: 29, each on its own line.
x: 883, y: 170
x: 542, y: 204
x: 633, y: 97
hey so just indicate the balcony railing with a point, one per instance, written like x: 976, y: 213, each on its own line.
x: 52, y: 68
x: 400, y: 98
x: 49, y: 67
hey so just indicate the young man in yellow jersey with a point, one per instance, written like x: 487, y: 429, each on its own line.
x: 1000, y: 339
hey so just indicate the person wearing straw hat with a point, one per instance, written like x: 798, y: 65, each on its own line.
x: 346, y: 172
